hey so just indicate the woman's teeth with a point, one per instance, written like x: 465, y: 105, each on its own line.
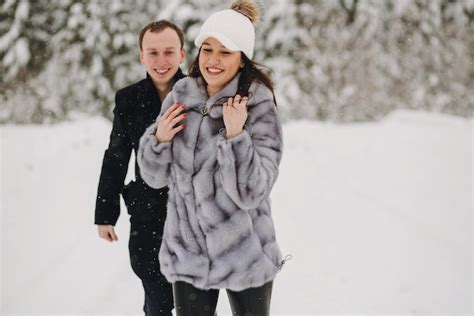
x: 214, y: 71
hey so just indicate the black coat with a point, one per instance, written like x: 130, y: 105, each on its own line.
x: 136, y: 108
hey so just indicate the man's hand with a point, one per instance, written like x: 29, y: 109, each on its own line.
x: 107, y: 232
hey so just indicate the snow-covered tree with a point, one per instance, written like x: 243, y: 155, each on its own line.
x: 357, y: 60
x: 345, y: 60
x: 64, y: 55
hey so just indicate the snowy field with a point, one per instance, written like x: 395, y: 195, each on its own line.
x: 377, y: 217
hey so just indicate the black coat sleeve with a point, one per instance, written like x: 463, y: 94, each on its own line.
x: 114, y: 167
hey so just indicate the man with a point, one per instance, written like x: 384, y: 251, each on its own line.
x: 136, y: 108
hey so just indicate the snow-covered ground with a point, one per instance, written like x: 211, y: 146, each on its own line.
x: 377, y: 217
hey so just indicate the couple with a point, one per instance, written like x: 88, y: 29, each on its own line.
x: 208, y: 149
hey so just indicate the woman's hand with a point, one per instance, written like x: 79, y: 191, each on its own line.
x: 167, y: 124
x: 235, y: 115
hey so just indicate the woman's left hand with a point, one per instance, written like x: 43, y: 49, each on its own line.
x: 235, y: 115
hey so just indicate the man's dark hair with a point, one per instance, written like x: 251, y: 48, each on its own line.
x: 158, y: 26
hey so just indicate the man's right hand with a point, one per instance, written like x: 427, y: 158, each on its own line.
x: 167, y: 124
x: 107, y: 232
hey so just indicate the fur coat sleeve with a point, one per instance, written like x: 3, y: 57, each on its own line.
x: 249, y: 161
x: 154, y: 158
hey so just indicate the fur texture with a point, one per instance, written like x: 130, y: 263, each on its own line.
x: 248, y: 8
x: 219, y: 232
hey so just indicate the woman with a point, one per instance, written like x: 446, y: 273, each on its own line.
x: 218, y: 144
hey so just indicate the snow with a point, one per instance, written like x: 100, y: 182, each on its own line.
x: 377, y: 218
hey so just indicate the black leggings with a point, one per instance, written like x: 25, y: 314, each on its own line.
x: 190, y: 301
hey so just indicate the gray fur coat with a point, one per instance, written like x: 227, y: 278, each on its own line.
x: 219, y: 231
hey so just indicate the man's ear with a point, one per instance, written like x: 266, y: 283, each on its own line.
x: 141, y: 57
x: 182, y: 56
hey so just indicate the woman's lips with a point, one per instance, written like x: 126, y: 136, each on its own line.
x: 214, y: 71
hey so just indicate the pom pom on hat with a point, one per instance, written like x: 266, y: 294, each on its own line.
x: 247, y: 8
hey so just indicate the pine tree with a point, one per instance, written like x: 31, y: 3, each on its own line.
x: 346, y: 60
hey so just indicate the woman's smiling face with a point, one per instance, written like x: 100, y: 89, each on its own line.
x: 218, y: 65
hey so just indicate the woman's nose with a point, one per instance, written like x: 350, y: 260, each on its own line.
x: 213, y: 60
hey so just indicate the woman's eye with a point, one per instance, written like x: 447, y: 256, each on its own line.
x: 226, y: 53
x: 207, y: 50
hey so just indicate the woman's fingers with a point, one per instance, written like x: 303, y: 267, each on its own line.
x: 177, y: 119
x: 169, y: 124
x: 171, y: 109
x: 239, y: 101
x: 176, y: 111
x: 243, y: 102
x: 177, y: 129
x: 167, y: 128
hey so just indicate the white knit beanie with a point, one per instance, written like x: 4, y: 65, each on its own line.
x: 234, y: 30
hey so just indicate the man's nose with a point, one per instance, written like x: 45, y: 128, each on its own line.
x: 161, y: 58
